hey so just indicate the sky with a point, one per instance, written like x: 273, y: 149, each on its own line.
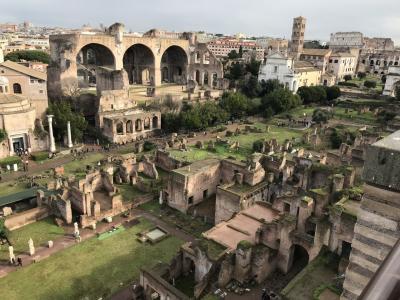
x: 251, y: 17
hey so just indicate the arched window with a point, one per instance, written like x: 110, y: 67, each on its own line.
x: 129, y: 126
x: 17, y: 88
x: 138, y: 125
x: 155, y: 122
x: 120, y: 128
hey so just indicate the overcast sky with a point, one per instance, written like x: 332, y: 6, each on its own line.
x: 252, y: 17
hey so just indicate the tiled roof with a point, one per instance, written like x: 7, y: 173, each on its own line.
x: 24, y: 70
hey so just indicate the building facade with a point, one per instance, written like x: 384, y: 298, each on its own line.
x: 392, y: 81
x: 342, y: 64
x: 222, y: 47
x: 346, y: 40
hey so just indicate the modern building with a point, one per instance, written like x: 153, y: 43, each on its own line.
x: 27, y: 82
x: 290, y: 72
x: 222, y: 47
x: 342, y: 64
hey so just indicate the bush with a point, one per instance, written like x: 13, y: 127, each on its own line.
x: 361, y: 75
x: 347, y: 77
x: 281, y: 100
x: 371, y: 84
x: 258, y: 145
x: 332, y: 92
x: 320, y: 116
x: 39, y: 156
x: 350, y: 84
x: 148, y: 146
x: 10, y: 161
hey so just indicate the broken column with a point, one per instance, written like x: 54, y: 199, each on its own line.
x: 11, y: 252
x: 31, y: 247
x: 51, y: 136
x: 70, y: 145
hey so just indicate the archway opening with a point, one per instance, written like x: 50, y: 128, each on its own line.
x: 138, y: 62
x: 88, y: 59
x: 138, y: 125
x: 146, y: 124
x: 155, y: 122
x: 197, y: 76
x: 17, y: 88
x: 175, y: 60
x: 120, y: 128
x: 205, y: 78
x: 129, y: 126
x: 299, y: 259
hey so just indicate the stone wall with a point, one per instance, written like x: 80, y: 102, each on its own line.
x: 18, y: 220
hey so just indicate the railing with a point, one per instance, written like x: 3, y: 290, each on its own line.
x: 385, y: 284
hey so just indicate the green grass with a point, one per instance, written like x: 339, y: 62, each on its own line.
x: 129, y: 192
x: 186, y: 284
x: 91, y: 269
x: 321, y: 271
x: 245, y: 144
x: 12, y: 187
x: 379, y: 84
x: 40, y: 232
x: 79, y: 166
x: 367, y: 118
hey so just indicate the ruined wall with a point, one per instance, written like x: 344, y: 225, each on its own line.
x: 164, y: 161
x: 226, y: 204
x: 21, y: 219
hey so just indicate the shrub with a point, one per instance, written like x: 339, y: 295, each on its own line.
x: 361, y: 75
x: 347, y: 77
x: 332, y: 92
x: 148, y: 146
x: 371, y: 84
x: 320, y: 116
x: 39, y: 156
x: 258, y: 145
x: 350, y: 84
x: 10, y: 161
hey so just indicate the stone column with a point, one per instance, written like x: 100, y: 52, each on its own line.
x: 51, y: 136
x: 31, y: 247
x: 70, y: 145
x: 11, y: 252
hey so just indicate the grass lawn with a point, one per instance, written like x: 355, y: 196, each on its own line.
x: 129, y: 192
x: 377, y: 79
x: 40, y: 232
x: 367, y: 118
x: 89, y: 270
x: 245, y: 144
x: 12, y: 187
x: 297, y: 112
x: 79, y: 166
x: 320, y: 272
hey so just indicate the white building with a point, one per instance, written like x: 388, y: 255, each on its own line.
x: 291, y: 73
x: 392, y: 80
x: 342, y: 64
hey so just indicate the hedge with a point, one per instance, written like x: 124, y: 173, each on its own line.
x: 352, y: 84
x: 10, y: 161
x: 39, y: 156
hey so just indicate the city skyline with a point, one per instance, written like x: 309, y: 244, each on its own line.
x: 255, y: 19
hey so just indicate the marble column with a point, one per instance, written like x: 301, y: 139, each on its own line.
x: 11, y: 252
x: 31, y: 247
x: 51, y: 136
x: 70, y: 145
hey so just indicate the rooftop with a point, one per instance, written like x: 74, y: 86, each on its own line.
x: 316, y: 52
x: 197, y: 166
x: 24, y: 70
x: 391, y: 142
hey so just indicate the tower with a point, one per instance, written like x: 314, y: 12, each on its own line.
x: 298, y: 30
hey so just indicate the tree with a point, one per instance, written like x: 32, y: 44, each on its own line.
x: 62, y: 114
x: 361, y: 75
x: 383, y: 79
x: 332, y: 92
x: 3, y: 229
x: 250, y: 87
x: 236, y: 104
x: 347, y: 77
x: 28, y: 55
x: 371, y: 84
x: 253, y: 67
x: 233, y: 55
x: 240, y: 51
x: 269, y: 86
x: 320, y: 116
x: 258, y: 145
x: 236, y: 71
x: 385, y: 116
x: 312, y: 94
x: 281, y: 100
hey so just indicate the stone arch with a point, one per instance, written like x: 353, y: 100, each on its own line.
x: 138, y: 125
x: 197, y: 76
x: 175, y: 59
x: 155, y: 122
x: 146, y: 123
x: 129, y: 126
x: 205, y: 78
x: 120, y: 127
x: 139, y: 63
x: 298, y: 258
x: 17, y: 88
x: 89, y: 57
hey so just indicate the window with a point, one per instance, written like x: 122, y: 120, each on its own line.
x: 32, y: 80
x: 41, y: 91
x: 275, y: 69
x: 190, y: 200
x: 17, y: 88
x: 336, y: 61
x: 205, y: 194
x: 286, y: 207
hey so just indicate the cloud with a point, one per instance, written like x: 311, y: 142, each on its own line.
x: 253, y: 17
